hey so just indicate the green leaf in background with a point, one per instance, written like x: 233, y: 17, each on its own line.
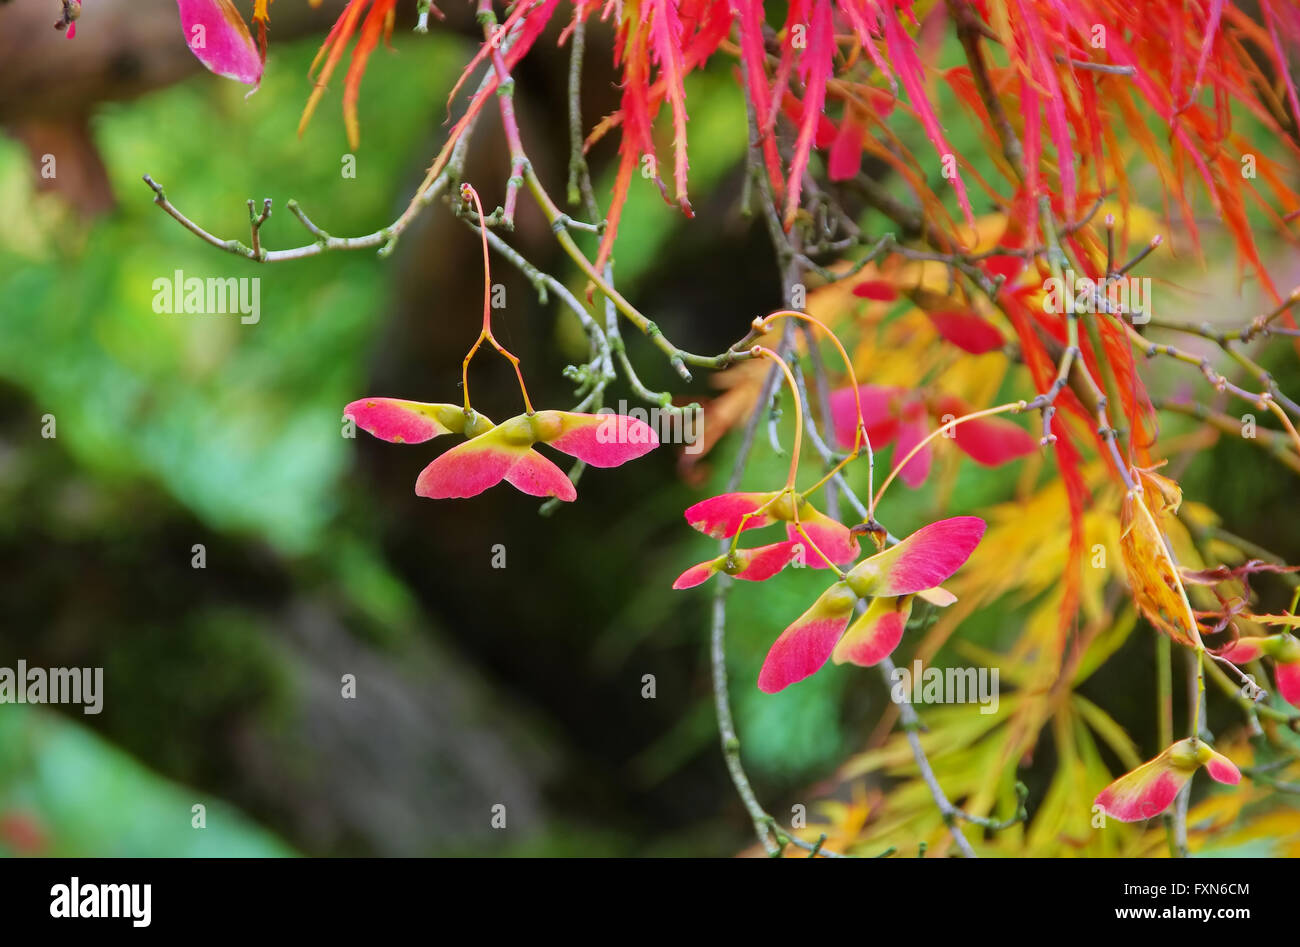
x: 65, y: 792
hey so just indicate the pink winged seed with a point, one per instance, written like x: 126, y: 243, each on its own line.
x: 535, y: 475
x: 875, y: 634
x: 216, y: 33
x: 1288, y: 682
x: 911, y: 433
x: 602, y: 440
x: 468, y: 469
x: 697, y: 574
x: 804, y: 647
x: 1222, y: 769
x: 922, y: 560
x: 877, y: 414
x: 763, y: 562
x: 967, y: 331
x: 720, y: 516
x: 402, y: 422
x: 1147, y: 791
x: 830, y: 536
x: 755, y: 565
x: 994, y: 441
x: 1144, y: 793
x: 481, y: 463
x: 1244, y: 650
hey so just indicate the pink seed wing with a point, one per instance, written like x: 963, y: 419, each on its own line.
x: 804, y: 647
x: 1288, y: 682
x: 763, y: 562
x: 1222, y: 769
x: 844, y: 416
x: 939, y: 597
x: 833, y: 538
x: 845, y: 158
x: 720, y: 516
x: 878, y: 290
x: 910, y: 433
x: 994, y: 441
x: 754, y: 565
x: 602, y: 440
x: 1244, y: 650
x: 1145, y: 792
x: 538, y: 477
x: 406, y: 422
x: 932, y: 554
x: 876, y: 632
x: 216, y: 33
x: 877, y: 414
x: 967, y: 331
x: 698, y: 574
x: 924, y: 559
x: 470, y: 468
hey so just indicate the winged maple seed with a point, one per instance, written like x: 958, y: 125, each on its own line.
x: 967, y: 330
x: 722, y: 517
x: 495, y: 452
x: 1283, y: 649
x: 726, y: 516
x: 1150, y: 789
x: 216, y: 33
x: 753, y: 565
x: 914, y: 566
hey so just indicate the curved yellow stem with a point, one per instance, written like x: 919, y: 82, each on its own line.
x: 860, y: 440
x: 469, y: 195
x: 1013, y: 407
x: 760, y: 351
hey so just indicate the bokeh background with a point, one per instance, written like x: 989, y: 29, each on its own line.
x: 476, y: 686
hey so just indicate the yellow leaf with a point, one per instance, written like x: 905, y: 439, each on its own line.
x: 1153, y: 574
